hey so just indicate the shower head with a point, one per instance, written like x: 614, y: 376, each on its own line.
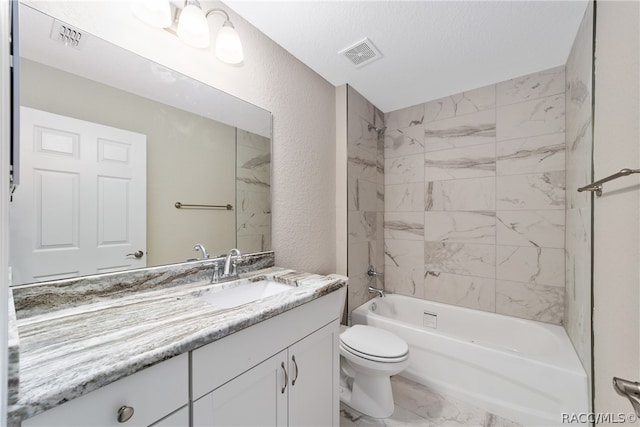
x: 379, y: 131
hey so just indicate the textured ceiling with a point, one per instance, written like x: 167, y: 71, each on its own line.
x: 430, y: 49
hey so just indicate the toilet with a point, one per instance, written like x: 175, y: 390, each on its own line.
x: 368, y: 358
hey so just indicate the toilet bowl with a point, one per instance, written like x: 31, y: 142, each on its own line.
x: 368, y: 358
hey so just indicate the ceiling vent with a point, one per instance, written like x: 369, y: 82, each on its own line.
x: 361, y: 53
x: 66, y: 34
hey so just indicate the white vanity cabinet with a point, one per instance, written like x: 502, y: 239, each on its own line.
x: 283, y: 371
x: 153, y: 393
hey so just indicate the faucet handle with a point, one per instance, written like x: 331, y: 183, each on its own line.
x: 215, y: 275
x: 371, y: 272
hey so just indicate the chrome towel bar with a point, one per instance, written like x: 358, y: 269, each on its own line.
x: 180, y: 205
x: 597, y: 186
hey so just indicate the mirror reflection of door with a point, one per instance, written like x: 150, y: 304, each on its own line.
x: 81, y: 199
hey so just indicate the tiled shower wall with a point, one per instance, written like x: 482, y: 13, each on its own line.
x: 474, y: 198
x: 577, y: 316
x: 253, y: 192
x: 365, y: 193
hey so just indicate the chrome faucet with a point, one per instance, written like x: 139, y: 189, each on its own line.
x: 372, y: 273
x: 380, y: 292
x: 200, y: 247
x: 227, y: 263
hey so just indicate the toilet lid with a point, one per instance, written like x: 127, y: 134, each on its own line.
x: 375, y: 342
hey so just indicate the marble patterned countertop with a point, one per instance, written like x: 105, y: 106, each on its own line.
x: 72, y: 350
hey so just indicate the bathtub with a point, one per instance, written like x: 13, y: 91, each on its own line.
x: 519, y: 369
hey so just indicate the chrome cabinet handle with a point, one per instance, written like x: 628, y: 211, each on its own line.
x: 125, y: 413
x: 286, y: 378
x: 137, y: 254
x: 293, y: 358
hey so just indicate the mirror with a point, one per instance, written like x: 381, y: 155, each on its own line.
x: 202, y: 147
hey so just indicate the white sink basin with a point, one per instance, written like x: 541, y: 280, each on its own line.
x: 245, y: 293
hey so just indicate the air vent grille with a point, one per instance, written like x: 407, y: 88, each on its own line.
x: 66, y: 34
x: 361, y: 53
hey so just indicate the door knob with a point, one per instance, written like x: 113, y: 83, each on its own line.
x: 137, y: 254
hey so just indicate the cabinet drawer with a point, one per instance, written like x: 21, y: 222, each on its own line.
x: 152, y: 393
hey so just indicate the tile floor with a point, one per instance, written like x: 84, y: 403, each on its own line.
x: 418, y: 406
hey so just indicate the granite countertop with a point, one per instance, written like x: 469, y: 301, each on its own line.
x: 71, y: 351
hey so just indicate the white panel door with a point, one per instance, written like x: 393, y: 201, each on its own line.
x: 81, y: 204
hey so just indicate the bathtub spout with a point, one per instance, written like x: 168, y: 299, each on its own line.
x: 373, y: 290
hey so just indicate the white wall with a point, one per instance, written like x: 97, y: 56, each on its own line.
x: 616, y: 240
x: 302, y: 103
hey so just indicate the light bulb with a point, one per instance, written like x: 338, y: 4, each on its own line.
x: 228, y: 45
x: 193, y: 28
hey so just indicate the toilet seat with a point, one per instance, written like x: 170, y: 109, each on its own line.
x: 374, y: 344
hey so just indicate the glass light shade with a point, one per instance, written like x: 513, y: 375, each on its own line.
x: 228, y: 45
x: 156, y: 13
x: 193, y: 28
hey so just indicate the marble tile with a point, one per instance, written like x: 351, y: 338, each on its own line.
x: 406, y: 254
x: 460, y: 258
x: 258, y: 201
x: 420, y: 406
x: 362, y: 164
x: 465, y: 291
x: 360, y: 135
x: 406, y: 117
x: 253, y: 223
x: 358, y: 258
x: 531, y: 155
x: 362, y: 194
x: 532, y: 86
x: 531, y: 228
x: 467, y: 102
x: 357, y: 292
x: 404, y: 225
x: 531, y: 191
x: 470, y: 129
x: 468, y: 162
x: 530, y: 301
x: 543, y: 266
x: 402, y: 142
x: 362, y: 226
x: 404, y: 197
x: 577, y: 316
x: 403, y: 170
x: 359, y: 106
x: 404, y: 281
x: 464, y: 227
x: 531, y: 118
x: 476, y: 194
x: 579, y: 171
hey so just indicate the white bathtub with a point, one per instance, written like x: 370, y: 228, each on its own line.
x: 519, y: 369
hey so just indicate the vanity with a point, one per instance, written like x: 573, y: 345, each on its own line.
x: 163, y: 346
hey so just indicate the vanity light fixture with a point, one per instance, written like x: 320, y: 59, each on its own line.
x: 189, y: 23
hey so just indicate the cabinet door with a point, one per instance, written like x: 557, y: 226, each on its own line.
x: 313, y: 367
x: 257, y: 397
